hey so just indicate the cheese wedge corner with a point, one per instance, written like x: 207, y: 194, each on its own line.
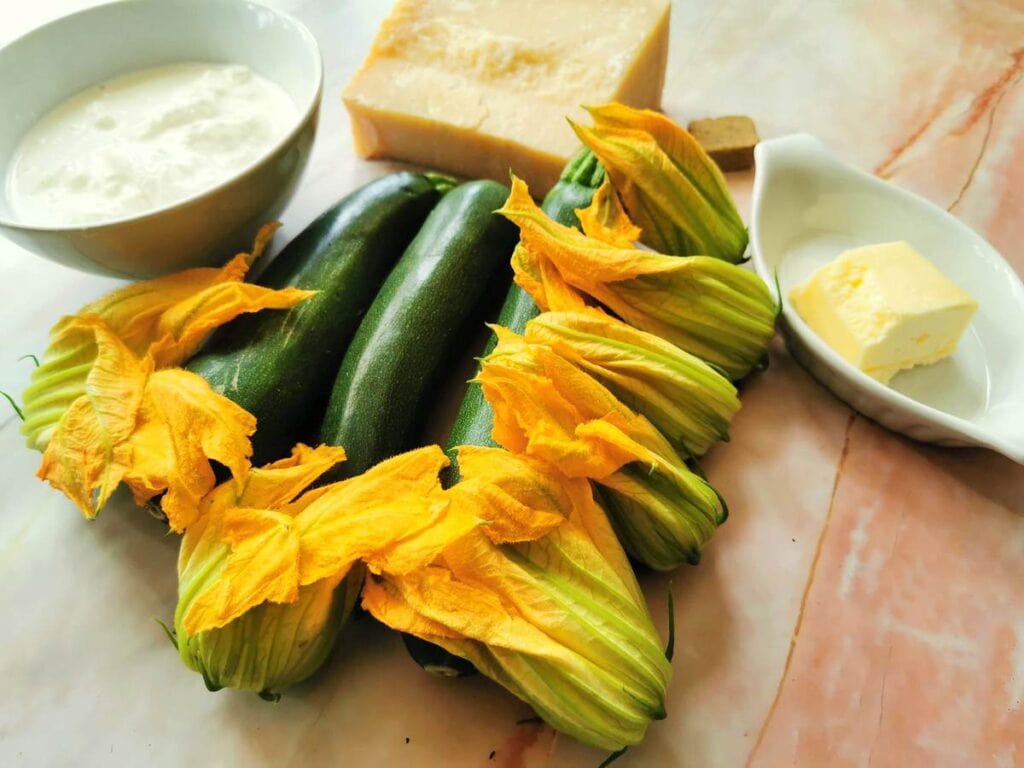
x: 479, y: 88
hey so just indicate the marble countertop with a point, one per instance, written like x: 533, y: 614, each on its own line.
x: 862, y: 606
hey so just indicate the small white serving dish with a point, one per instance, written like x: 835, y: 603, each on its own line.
x: 60, y: 59
x: 808, y: 207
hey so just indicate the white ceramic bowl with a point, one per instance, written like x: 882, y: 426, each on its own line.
x: 60, y: 59
x: 807, y: 209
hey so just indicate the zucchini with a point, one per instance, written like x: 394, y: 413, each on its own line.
x: 279, y: 366
x: 575, y: 189
x: 385, y: 382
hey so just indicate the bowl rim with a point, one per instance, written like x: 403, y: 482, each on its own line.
x: 968, y: 429
x: 304, y: 113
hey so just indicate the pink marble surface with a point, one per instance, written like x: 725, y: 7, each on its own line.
x: 860, y: 607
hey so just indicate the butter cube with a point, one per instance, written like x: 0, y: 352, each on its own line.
x: 482, y: 87
x: 884, y: 308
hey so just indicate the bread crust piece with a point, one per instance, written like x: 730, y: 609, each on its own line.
x: 729, y: 140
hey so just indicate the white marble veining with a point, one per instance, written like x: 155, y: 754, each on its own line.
x: 929, y: 95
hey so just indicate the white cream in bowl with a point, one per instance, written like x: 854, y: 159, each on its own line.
x: 145, y: 140
x: 58, y: 61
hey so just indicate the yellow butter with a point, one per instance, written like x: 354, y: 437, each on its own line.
x: 482, y: 87
x: 884, y: 308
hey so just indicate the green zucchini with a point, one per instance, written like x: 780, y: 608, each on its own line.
x: 384, y: 385
x: 575, y: 189
x: 280, y: 366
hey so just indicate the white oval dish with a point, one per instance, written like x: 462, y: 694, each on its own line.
x: 808, y: 207
x: 62, y: 58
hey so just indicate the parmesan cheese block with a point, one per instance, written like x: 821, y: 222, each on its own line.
x: 885, y: 308
x: 481, y: 87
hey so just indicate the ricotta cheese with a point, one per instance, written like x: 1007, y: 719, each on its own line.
x: 884, y: 308
x: 143, y: 141
x: 481, y: 87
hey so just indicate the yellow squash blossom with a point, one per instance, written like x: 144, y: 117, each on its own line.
x: 719, y: 312
x: 548, y: 408
x: 270, y: 570
x: 605, y: 220
x: 155, y: 431
x: 273, y: 644
x: 515, y: 569
x: 559, y: 621
x: 689, y: 402
x: 669, y: 185
x: 165, y: 319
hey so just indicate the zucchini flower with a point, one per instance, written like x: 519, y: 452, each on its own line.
x: 269, y: 573
x: 165, y: 319
x: 548, y: 408
x: 107, y: 406
x: 557, y: 620
x: 668, y: 184
x: 719, y: 312
x: 689, y: 402
x: 155, y: 431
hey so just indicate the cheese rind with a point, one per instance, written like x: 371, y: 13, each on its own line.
x: 885, y: 308
x: 482, y: 87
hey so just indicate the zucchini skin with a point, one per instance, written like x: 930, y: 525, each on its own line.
x: 413, y: 326
x: 475, y: 419
x: 280, y: 365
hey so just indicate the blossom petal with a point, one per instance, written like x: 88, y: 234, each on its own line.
x: 274, y: 645
x: 382, y: 599
x: 184, y: 327
x: 87, y: 457
x: 540, y: 278
x: 674, y: 141
x: 523, y: 498
x: 588, y: 516
x: 518, y: 497
x: 687, y: 400
x: 464, y: 609
x: 183, y: 425
x: 277, y: 484
x: 243, y: 547
x: 261, y: 567
x: 546, y: 407
x: 61, y: 377
x: 605, y: 219
x: 583, y: 261
x: 719, y: 312
x: 170, y: 311
x: 393, y: 517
